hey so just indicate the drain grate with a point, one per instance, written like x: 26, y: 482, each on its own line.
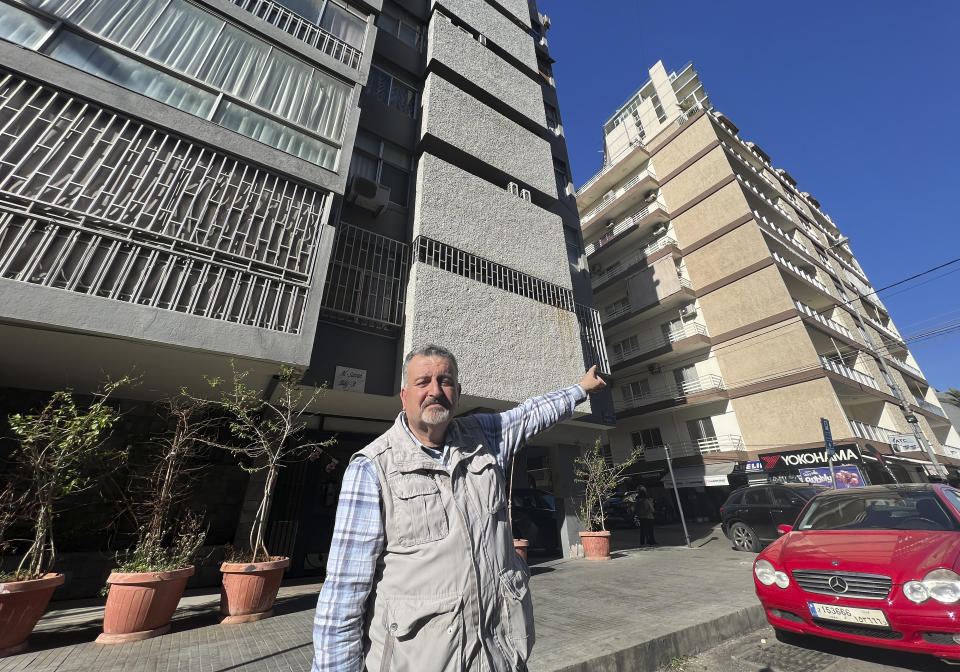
x: 785, y: 658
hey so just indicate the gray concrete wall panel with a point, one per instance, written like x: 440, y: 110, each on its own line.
x: 481, y: 218
x: 495, y: 27
x: 518, y: 8
x: 457, y: 118
x: 509, y: 347
x: 463, y: 54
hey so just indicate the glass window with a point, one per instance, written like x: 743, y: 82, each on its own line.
x: 390, y: 91
x: 647, y: 438
x: 383, y: 162
x: 553, y: 117
x: 21, y: 27
x: 406, y: 31
x: 342, y: 24
x: 886, y: 510
x: 636, y: 390
x: 701, y: 430
x: 756, y: 497
x: 273, y: 133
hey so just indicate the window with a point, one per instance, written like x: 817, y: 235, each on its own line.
x: 333, y: 18
x: 687, y: 379
x: 626, y: 346
x: 617, y: 307
x: 636, y: 390
x: 405, y: 30
x: 382, y: 162
x: 756, y: 496
x: 553, y: 116
x: 392, y: 92
x: 562, y: 177
x: 702, y: 433
x: 672, y: 330
x: 647, y: 438
x: 545, y: 71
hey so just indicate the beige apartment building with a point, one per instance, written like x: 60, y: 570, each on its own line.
x: 736, y: 315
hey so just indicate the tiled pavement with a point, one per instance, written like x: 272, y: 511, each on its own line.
x: 633, y: 613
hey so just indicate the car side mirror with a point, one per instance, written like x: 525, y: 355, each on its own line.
x: 783, y: 529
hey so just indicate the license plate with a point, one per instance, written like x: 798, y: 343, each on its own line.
x: 834, y: 612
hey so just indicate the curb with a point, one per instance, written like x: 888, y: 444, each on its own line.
x: 653, y: 654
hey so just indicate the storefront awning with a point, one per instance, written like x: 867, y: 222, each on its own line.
x: 700, y: 475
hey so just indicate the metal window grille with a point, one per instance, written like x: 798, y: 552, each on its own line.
x: 303, y: 29
x: 98, y: 203
x: 591, y: 337
x: 367, y: 279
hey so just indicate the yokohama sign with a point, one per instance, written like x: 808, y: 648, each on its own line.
x: 809, y: 458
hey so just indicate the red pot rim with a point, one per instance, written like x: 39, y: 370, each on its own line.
x: 601, y: 533
x: 249, y: 567
x: 521, y: 542
x: 150, y: 577
x: 45, y: 581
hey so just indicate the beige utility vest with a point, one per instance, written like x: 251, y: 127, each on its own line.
x: 450, y: 593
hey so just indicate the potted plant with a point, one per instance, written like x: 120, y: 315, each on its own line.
x: 599, y: 480
x: 147, y: 586
x: 265, y: 434
x: 56, y: 446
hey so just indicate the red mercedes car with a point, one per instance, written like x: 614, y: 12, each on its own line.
x: 876, y: 566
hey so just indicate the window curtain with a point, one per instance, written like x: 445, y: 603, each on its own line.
x: 341, y: 23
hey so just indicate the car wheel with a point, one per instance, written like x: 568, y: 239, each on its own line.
x: 744, y: 538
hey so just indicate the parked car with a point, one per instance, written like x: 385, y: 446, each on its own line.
x: 750, y: 515
x: 618, y: 510
x: 876, y: 566
x: 535, y: 519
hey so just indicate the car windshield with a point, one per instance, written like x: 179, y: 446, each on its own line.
x: 884, y: 510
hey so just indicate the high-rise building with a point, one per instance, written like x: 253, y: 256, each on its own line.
x: 735, y: 313
x: 317, y: 183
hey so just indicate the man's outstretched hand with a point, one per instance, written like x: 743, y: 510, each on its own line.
x: 591, y: 381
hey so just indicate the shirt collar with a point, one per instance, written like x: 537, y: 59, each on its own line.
x: 438, y: 454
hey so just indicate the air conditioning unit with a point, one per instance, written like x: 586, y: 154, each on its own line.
x: 660, y: 230
x: 688, y: 311
x: 368, y: 194
x: 513, y: 188
x: 651, y: 197
x: 525, y: 195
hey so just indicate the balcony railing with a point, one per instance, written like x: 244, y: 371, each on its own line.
x: 903, y: 365
x: 612, y: 161
x: 806, y: 276
x: 933, y: 408
x: 630, y: 308
x: 673, y: 391
x: 848, y: 372
x: 705, y: 446
x: 611, y: 197
x: 657, y: 339
x: 871, y: 432
x: 776, y: 206
x: 303, y: 29
x: 624, y: 225
x: 591, y: 338
x: 889, y: 332
x: 630, y: 261
x: 833, y: 324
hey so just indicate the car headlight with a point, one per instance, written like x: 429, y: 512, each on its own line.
x: 943, y: 585
x: 767, y: 575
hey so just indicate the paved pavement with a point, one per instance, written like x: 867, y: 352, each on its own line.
x: 634, y: 613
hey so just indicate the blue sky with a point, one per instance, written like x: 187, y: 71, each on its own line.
x: 858, y: 100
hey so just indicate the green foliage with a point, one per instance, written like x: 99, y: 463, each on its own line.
x: 678, y: 664
x: 152, y: 555
x: 58, y: 446
x: 600, y: 481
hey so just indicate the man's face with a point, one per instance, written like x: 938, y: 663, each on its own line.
x: 431, y: 393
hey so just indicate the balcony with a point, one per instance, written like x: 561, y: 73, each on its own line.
x: 614, y: 201
x: 825, y: 321
x: 655, y: 340
x: 628, y: 224
x: 908, y: 367
x: 769, y: 201
x: 303, y: 29
x: 882, y: 329
x: 871, y: 432
x: 710, y: 386
x: 705, y: 446
x: 848, y: 372
x: 618, y: 167
x: 636, y: 259
x: 629, y: 308
x: 803, y: 274
x: 927, y: 406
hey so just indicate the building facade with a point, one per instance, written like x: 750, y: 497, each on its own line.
x: 735, y: 313
x: 316, y: 183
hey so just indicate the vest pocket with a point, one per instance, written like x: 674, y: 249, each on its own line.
x: 419, y: 514
x: 487, y: 482
x: 423, y: 634
x: 517, y: 611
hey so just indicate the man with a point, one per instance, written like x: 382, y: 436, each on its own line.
x: 422, y: 575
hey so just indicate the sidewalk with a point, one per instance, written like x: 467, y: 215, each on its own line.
x: 634, y: 613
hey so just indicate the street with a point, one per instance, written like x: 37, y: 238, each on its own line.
x: 760, y: 650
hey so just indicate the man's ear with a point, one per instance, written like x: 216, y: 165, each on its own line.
x: 403, y: 398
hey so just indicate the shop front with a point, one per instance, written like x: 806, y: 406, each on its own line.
x: 812, y: 465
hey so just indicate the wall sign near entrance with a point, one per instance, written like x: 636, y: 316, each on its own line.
x: 848, y: 476
x: 815, y: 457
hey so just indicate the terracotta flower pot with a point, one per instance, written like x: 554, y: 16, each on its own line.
x: 141, y: 604
x: 521, y: 546
x: 250, y: 589
x: 596, y: 545
x: 22, y: 603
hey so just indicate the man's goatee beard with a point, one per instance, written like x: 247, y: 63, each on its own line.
x: 436, y: 416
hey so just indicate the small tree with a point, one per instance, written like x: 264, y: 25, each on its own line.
x: 168, y: 534
x: 600, y: 481
x: 266, y: 435
x: 56, y: 448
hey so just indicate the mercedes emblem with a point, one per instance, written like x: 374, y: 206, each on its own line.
x: 837, y: 584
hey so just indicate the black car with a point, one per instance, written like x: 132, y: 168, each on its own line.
x: 750, y: 515
x: 535, y: 519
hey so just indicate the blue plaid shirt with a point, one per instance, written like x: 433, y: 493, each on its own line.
x: 358, y: 535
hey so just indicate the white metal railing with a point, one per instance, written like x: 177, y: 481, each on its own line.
x: 303, y: 29
x: 654, y: 339
x: 783, y: 234
x: 612, y: 162
x: 631, y: 260
x: 708, y: 383
x: 874, y: 323
x: 871, y: 432
x: 625, y: 224
x: 611, y: 197
x: 776, y: 206
x: 847, y: 265
x: 933, y: 408
x: 848, y: 372
x: 687, y: 114
x: 903, y: 365
x: 806, y: 276
x: 591, y: 337
x: 833, y: 324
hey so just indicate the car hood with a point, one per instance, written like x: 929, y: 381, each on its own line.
x: 900, y: 554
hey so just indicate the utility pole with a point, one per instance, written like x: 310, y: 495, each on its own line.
x: 676, y: 491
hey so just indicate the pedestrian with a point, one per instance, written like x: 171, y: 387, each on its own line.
x: 422, y: 575
x: 644, y: 513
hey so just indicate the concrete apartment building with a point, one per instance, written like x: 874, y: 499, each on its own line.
x: 735, y: 313
x: 317, y: 183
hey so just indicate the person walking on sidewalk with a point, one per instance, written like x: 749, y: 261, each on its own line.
x: 644, y: 514
x: 422, y: 575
